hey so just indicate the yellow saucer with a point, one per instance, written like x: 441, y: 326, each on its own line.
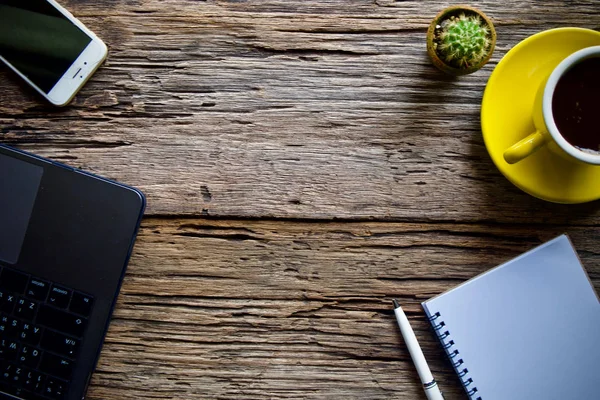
x: 506, y: 117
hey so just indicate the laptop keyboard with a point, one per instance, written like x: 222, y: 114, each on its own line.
x: 41, y: 327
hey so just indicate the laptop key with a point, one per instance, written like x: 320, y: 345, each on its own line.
x: 3, y: 296
x: 13, y: 280
x: 55, y: 388
x: 18, y: 375
x: 6, y: 371
x: 37, y: 289
x: 29, y: 333
x: 81, y: 304
x: 59, y: 297
x: 25, y: 309
x: 3, y: 325
x: 61, y: 321
x: 13, y: 327
x: 34, y: 381
x: 8, y: 349
x: 57, y: 366
x: 59, y: 343
x: 8, y: 303
x: 29, y: 356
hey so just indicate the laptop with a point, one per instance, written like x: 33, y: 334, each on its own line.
x: 65, y: 240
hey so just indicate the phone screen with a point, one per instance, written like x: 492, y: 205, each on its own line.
x: 39, y: 41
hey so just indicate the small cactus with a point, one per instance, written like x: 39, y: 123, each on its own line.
x: 463, y: 41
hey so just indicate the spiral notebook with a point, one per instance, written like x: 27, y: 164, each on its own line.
x: 528, y: 329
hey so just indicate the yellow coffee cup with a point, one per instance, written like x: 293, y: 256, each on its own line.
x: 547, y: 132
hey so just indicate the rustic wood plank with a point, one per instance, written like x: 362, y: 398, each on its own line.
x: 270, y: 309
x: 293, y: 109
x: 317, y: 110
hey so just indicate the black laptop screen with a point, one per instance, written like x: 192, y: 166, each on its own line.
x: 19, y: 184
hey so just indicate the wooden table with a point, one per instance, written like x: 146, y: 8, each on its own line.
x: 304, y: 164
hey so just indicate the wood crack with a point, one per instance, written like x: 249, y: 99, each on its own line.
x: 272, y: 51
x: 233, y: 237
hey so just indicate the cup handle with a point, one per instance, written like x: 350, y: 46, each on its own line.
x: 524, y: 148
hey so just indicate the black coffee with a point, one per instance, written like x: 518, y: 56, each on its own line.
x: 576, y: 105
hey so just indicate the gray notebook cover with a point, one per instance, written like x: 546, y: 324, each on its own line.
x: 526, y: 330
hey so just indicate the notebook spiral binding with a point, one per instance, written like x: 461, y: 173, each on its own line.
x: 439, y: 326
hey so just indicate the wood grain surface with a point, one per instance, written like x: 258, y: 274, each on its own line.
x: 312, y: 109
x: 304, y: 163
x: 271, y: 309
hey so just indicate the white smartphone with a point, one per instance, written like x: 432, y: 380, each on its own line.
x: 48, y: 47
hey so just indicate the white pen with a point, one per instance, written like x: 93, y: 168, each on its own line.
x: 432, y: 391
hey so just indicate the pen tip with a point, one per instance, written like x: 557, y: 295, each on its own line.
x: 396, y: 305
